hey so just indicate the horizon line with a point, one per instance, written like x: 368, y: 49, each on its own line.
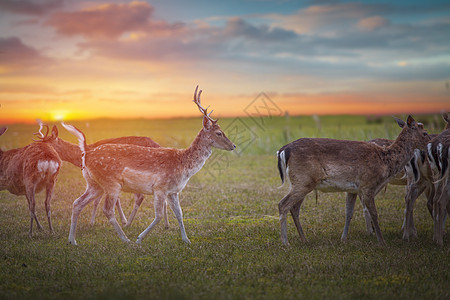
x: 14, y: 121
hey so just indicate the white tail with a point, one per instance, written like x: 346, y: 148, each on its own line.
x: 282, y: 165
x: 71, y: 153
x: 81, y: 141
x: 162, y: 172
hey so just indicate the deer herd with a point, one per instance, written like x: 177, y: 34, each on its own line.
x: 139, y: 165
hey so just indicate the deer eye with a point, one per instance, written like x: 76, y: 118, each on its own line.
x: 218, y: 133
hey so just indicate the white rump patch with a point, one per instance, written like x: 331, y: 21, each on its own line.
x: 47, y: 166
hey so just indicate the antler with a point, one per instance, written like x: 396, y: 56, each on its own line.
x: 40, y: 135
x: 204, y: 111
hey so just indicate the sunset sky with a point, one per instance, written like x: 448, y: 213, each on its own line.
x: 63, y: 60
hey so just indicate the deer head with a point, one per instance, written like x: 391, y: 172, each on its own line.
x: 211, y: 128
x: 66, y: 151
x: 45, y: 137
x: 414, y: 132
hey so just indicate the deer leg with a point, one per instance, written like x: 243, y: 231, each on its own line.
x: 367, y: 217
x: 108, y: 209
x: 284, y: 206
x: 159, y: 200
x: 48, y: 199
x: 295, y: 213
x: 166, y: 219
x: 438, y: 188
x: 349, y: 208
x: 430, y: 192
x: 121, y: 214
x: 94, y: 210
x: 441, y: 212
x: 138, y: 198
x: 176, y: 208
x: 413, y: 191
x: 93, y: 192
x: 32, y: 207
x: 370, y: 204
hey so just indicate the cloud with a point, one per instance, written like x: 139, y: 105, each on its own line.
x: 15, y: 55
x: 110, y: 21
x: 326, y: 19
x: 237, y: 27
x: 28, y: 7
x: 372, y: 23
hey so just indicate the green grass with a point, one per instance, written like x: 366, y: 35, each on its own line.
x: 231, y: 217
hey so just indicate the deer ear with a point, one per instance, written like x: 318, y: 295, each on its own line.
x: 400, y: 122
x: 445, y: 117
x: 411, y: 122
x: 3, y: 130
x: 207, y: 124
x: 54, y: 132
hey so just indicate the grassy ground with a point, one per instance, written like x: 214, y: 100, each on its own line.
x: 231, y: 217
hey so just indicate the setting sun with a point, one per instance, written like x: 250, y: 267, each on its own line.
x: 142, y: 59
x: 58, y: 116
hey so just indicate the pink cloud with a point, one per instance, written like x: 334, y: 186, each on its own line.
x: 15, y: 55
x: 110, y: 21
x: 27, y: 7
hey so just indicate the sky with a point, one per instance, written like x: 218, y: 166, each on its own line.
x: 65, y: 60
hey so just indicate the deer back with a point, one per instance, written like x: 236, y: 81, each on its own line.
x: 321, y: 159
x: 34, y: 164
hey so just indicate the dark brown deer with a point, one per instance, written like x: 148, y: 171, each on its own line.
x: 163, y: 172
x: 438, y: 155
x: 71, y: 153
x: 27, y: 171
x: 354, y: 167
x: 420, y: 179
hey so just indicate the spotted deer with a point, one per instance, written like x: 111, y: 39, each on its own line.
x: 438, y: 155
x: 356, y: 167
x: 163, y: 172
x: 71, y: 153
x: 420, y: 179
x: 27, y: 171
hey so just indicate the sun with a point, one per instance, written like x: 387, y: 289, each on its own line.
x: 58, y: 115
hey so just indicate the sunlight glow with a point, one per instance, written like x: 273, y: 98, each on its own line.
x: 58, y: 115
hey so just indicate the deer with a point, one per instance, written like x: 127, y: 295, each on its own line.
x: 27, y: 171
x: 71, y: 153
x: 163, y: 172
x: 356, y: 167
x: 438, y: 155
x: 420, y: 179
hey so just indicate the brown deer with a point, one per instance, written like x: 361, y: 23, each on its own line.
x: 163, y: 172
x: 71, y: 153
x: 438, y: 155
x: 420, y: 180
x: 354, y: 167
x: 27, y: 171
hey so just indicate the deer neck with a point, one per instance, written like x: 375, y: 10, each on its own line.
x: 397, y: 155
x: 195, y: 156
x: 68, y: 152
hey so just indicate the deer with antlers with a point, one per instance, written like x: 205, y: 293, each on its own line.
x: 163, y: 172
x: 27, y: 171
x: 355, y: 167
x: 71, y: 153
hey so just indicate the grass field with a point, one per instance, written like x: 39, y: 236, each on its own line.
x: 231, y: 217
